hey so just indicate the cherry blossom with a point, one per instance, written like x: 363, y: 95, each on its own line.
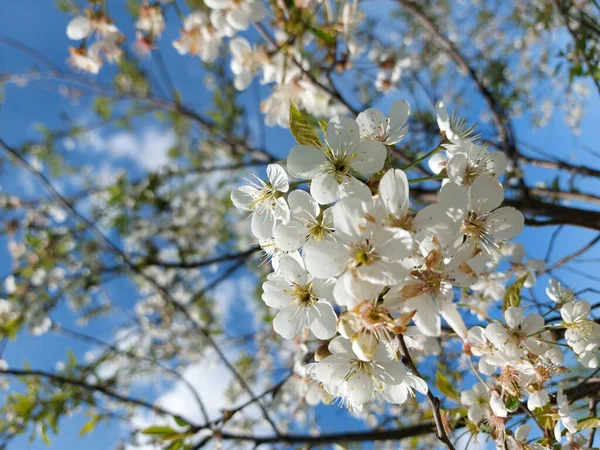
x: 265, y: 201
x: 333, y: 171
x: 301, y: 300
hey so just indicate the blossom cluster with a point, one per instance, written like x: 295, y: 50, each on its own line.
x: 359, y: 267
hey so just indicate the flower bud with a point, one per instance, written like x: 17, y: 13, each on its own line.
x: 322, y: 352
x: 365, y: 345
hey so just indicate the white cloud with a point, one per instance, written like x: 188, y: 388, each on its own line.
x: 148, y: 149
x: 233, y: 297
x: 209, y: 381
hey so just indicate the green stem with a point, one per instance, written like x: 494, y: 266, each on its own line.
x: 424, y: 157
x: 298, y: 183
x: 441, y: 176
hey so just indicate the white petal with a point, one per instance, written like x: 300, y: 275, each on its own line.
x: 290, y: 236
x: 325, y: 189
x: 513, y: 316
x: 277, y: 177
x: 289, y: 322
x: 79, y: 28
x: 240, y: 47
x: 532, y: 323
x: 437, y: 162
x: 325, y: 259
x: 263, y: 223
x: 370, y: 157
x: 292, y: 271
x: 218, y: 4
x: 443, y: 119
x: 417, y: 383
x: 398, y: 116
x: 427, y: 317
x: 485, y: 195
x: 522, y: 432
x: 274, y: 293
x: 497, y: 405
x: 301, y: 203
x: 396, y: 393
x: 323, y: 288
x: 393, y: 243
x: 359, y: 388
x: 243, y: 197
x: 341, y: 348
x: 351, y: 187
x: 238, y: 19
x: 322, y: 320
x: 242, y: 80
x: 371, y: 123
x: 393, y: 191
x: 505, y: 223
x: 304, y: 161
x: 342, y: 134
x: 347, y: 217
x: 454, y: 319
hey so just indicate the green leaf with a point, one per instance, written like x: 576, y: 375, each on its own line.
x: 102, y: 107
x: 176, y: 445
x: 445, y: 387
x: 301, y: 129
x: 89, y: 427
x: 323, y: 35
x: 323, y: 125
x: 181, y: 421
x: 159, y: 430
x: 44, y: 434
x: 512, y: 297
x: 590, y: 422
x: 72, y: 360
x: 512, y: 403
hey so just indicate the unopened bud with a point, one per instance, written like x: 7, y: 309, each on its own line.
x: 365, y: 345
x: 322, y: 352
x: 467, y: 349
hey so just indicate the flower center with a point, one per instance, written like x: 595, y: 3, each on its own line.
x: 303, y: 295
x: 364, y: 254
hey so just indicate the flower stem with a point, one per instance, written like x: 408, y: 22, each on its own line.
x: 424, y: 157
x: 298, y: 183
x: 441, y: 176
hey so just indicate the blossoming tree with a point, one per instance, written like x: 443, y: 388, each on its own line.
x: 379, y: 236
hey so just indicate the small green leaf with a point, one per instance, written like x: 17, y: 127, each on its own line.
x: 89, y: 426
x: 590, y: 422
x: 301, y: 129
x: 323, y: 35
x: 72, y: 360
x: 512, y: 297
x: 44, y: 434
x: 323, y: 125
x: 445, y: 387
x: 176, y: 445
x: 181, y: 421
x: 512, y: 403
x: 159, y: 430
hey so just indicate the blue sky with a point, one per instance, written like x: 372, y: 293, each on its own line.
x: 39, y: 25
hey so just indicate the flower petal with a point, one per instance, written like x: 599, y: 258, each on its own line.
x: 78, y: 28
x: 289, y: 321
x: 325, y: 259
x: 304, y: 161
x: 369, y: 157
x: 322, y: 320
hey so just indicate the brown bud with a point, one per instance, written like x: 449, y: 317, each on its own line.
x: 322, y: 352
